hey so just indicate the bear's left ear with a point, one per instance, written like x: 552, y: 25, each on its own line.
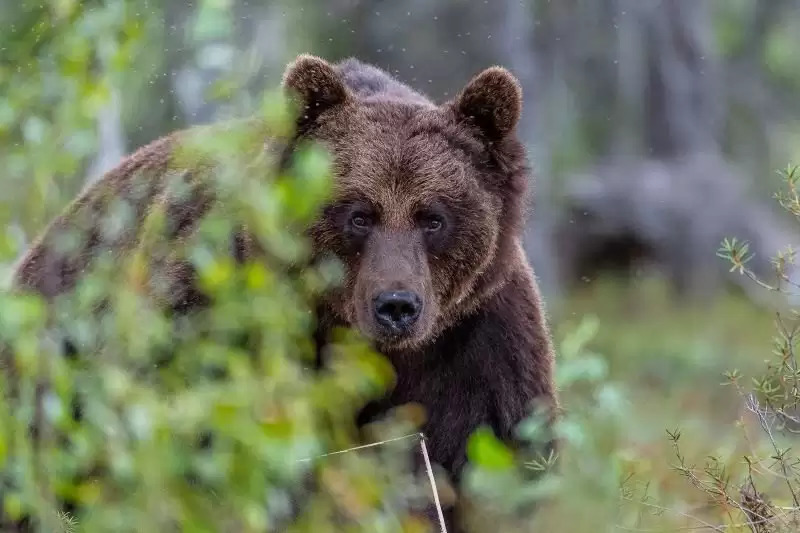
x: 492, y: 101
x: 314, y: 84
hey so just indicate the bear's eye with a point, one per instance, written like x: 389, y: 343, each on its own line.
x: 360, y: 221
x: 433, y: 223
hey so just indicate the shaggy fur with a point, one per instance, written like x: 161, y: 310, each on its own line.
x: 427, y: 198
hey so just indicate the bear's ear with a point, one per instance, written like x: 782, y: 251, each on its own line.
x: 314, y: 85
x: 492, y: 101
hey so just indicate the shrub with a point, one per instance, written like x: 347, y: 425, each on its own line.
x: 205, y: 423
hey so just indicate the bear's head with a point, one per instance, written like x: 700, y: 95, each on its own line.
x: 428, y: 200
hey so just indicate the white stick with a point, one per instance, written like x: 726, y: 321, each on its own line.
x: 428, y: 467
x: 433, y: 483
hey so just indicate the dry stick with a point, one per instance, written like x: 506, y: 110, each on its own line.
x: 752, y: 404
x: 428, y: 467
x: 433, y: 482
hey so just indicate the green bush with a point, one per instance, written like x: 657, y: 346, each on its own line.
x: 242, y: 371
x: 151, y: 387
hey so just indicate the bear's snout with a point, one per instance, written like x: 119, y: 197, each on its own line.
x: 397, y: 311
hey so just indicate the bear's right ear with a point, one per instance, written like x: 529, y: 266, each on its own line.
x: 315, y: 86
x: 492, y: 101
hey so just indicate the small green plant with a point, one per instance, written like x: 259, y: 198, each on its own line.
x: 69, y: 523
x: 763, y: 495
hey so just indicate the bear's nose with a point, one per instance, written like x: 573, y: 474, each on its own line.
x: 397, y: 310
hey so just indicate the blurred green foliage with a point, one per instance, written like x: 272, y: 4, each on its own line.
x: 58, y: 64
x: 150, y: 388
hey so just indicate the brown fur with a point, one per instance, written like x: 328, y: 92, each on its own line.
x: 154, y: 177
x: 480, y: 351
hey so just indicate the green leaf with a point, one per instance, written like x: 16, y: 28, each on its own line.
x: 486, y: 450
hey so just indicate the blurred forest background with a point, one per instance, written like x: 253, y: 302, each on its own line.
x: 655, y: 128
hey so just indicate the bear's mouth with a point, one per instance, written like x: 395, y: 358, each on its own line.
x: 393, y: 341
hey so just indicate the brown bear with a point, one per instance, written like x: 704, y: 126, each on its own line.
x: 426, y: 215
